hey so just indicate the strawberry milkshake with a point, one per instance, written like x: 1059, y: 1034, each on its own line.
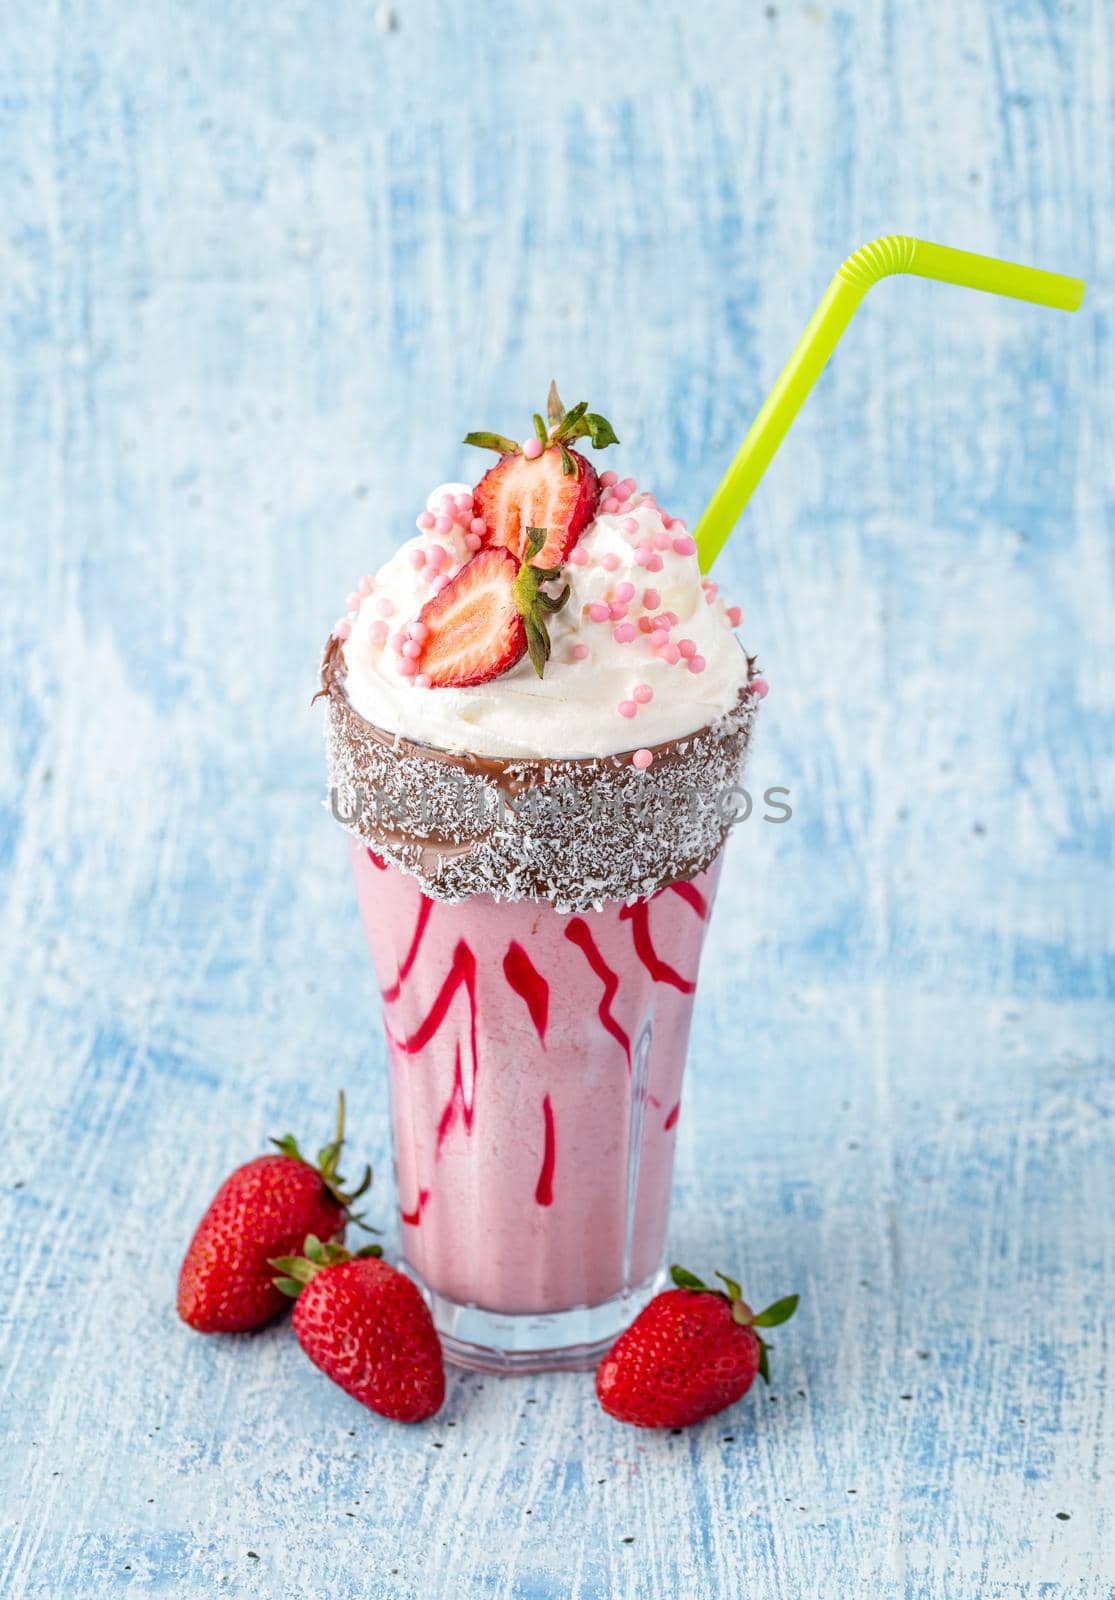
x: 537, y: 714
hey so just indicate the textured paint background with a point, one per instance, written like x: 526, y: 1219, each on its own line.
x: 262, y: 265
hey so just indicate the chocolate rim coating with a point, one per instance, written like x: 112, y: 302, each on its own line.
x: 574, y: 831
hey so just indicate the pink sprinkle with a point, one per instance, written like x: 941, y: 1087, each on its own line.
x: 398, y: 640
x: 609, y: 504
x: 578, y: 557
x: 658, y: 638
x: 627, y: 708
x: 412, y: 649
x: 443, y: 524
x: 532, y: 449
x: 651, y: 599
x: 616, y: 611
x: 670, y: 653
x: 385, y: 607
x: 425, y: 521
x: 626, y: 487
x: 684, y: 545
x: 608, y: 478
x: 418, y: 559
x: 630, y: 524
x: 624, y: 633
x: 464, y: 502
x: 407, y: 668
x: 643, y: 693
x: 439, y: 582
x: 734, y: 615
x: 661, y: 541
x: 447, y: 505
x: 667, y: 521
x: 671, y: 618
x: 654, y: 563
x: 579, y: 652
x: 760, y: 687
x: 352, y: 601
x: 422, y: 680
x: 343, y: 629
x: 609, y: 562
x: 644, y: 557
x: 645, y: 625
x: 366, y: 585
x: 710, y: 589
x: 437, y: 555
x: 418, y: 630
x: 377, y: 633
x: 625, y: 591
x: 688, y: 648
x: 697, y: 663
x: 478, y: 525
x: 598, y: 611
x: 642, y: 759
x: 473, y: 541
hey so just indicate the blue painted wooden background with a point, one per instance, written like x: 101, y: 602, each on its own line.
x: 262, y: 265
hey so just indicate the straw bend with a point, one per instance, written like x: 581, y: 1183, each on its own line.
x: 882, y: 258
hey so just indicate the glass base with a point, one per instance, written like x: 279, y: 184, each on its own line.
x: 542, y: 1341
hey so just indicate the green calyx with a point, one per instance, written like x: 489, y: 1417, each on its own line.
x: 534, y: 605
x: 327, y: 1159
x: 781, y: 1311
x: 295, y: 1272
x: 563, y: 427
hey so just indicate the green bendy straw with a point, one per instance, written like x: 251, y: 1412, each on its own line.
x: 880, y: 259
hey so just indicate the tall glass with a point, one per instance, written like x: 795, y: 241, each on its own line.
x: 536, y: 1062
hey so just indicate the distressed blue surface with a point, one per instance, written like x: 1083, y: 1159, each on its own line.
x: 263, y: 264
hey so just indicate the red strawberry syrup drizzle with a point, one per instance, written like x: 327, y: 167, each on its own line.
x: 527, y: 982
x: 424, y: 909
x: 578, y: 933
x: 413, y: 1218
x: 544, y: 1193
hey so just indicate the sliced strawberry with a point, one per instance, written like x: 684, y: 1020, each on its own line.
x: 518, y: 494
x: 474, y: 628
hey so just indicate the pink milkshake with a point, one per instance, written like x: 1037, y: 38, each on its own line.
x: 535, y: 883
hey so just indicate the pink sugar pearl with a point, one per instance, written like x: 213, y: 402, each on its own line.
x: 418, y: 630
x: 642, y: 759
x: 624, y: 592
x: 578, y: 557
x: 478, y: 525
x: 643, y: 693
x: 579, y: 652
x: 710, y: 588
x: 645, y: 625
x: 627, y: 708
x: 608, y: 478
x: 653, y: 563
x: 630, y: 524
x: 473, y: 541
x: 437, y: 555
x: 652, y: 599
x: 670, y: 653
x: 609, y: 562
x: 343, y: 629
x: 365, y: 586
x: 609, y: 504
x: 624, y: 633
x: 697, y: 663
x: 658, y: 638
x: 532, y: 449
x: 377, y: 633
x: 439, y: 582
x: 352, y: 601
x: 422, y: 680
x: 412, y: 649
x: 463, y: 502
x: 407, y: 667
x: 385, y: 607
x: 598, y: 611
x: 417, y: 559
x: 644, y: 557
x: 625, y: 488
x: 425, y: 521
x: 443, y: 524
x: 617, y: 612
x: 688, y: 648
x: 670, y: 617
x: 684, y: 546
x: 447, y: 505
x: 661, y: 541
x: 760, y: 688
x: 734, y: 615
x: 398, y: 640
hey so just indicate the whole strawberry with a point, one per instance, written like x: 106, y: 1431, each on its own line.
x: 692, y: 1351
x: 367, y: 1327
x: 263, y: 1209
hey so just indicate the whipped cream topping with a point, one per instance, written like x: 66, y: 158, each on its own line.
x: 644, y: 651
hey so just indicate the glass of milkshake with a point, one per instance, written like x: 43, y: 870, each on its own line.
x: 537, y: 714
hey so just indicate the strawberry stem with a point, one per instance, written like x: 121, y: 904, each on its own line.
x: 328, y: 1158
x: 295, y: 1272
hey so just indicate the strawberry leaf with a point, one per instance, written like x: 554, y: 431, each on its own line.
x: 288, y: 1286
x: 540, y: 429
x: 367, y: 1250
x: 686, y: 1280
x: 733, y: 1288
x: 601, y: 431
x: 580, y: 422
x: 314, y: 1249
x: 568, y: 465
x: 781, y: 1311
x: 764, y: 1364
x: 570, y: 425
x: 288, y: 1144
x: 554, y: 408
x: 493, y: 441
